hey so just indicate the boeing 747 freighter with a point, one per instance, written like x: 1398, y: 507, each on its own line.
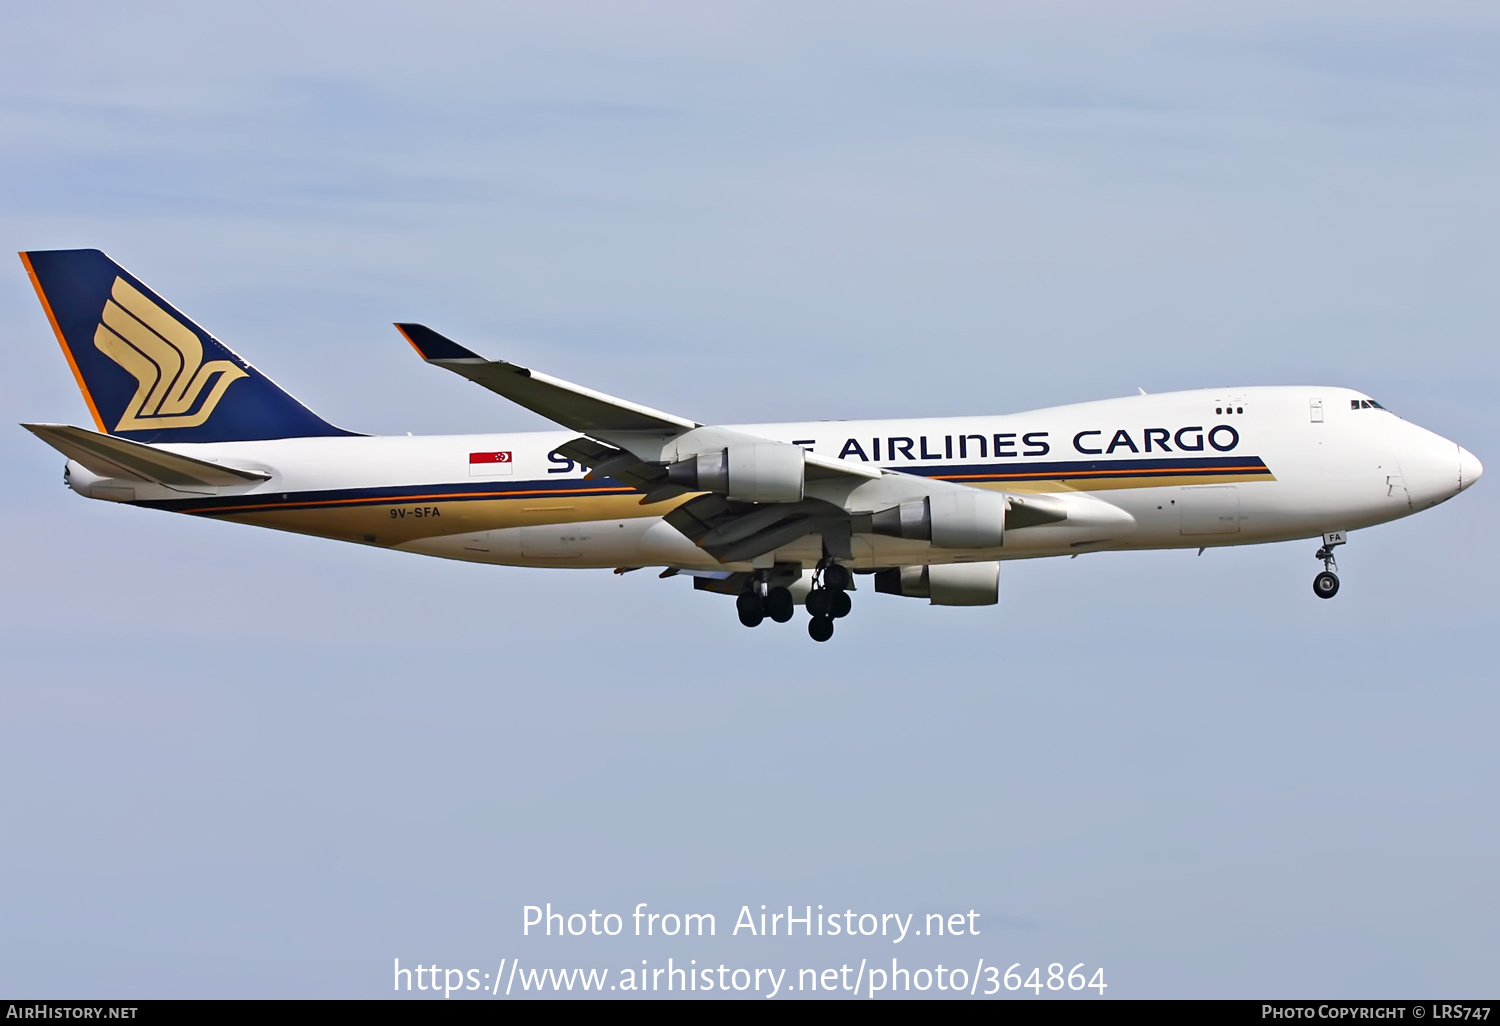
x: 775, y: 515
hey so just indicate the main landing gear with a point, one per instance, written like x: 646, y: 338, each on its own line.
x: 1326, y: 584
x: 754, y: 607
x: 827, y: 601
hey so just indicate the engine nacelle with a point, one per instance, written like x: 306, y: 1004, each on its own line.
x: 751, y: 472
x: 945, y: 584
x: 963, y: 519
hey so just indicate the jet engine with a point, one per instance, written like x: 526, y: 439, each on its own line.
x: 748, y: 472
x: 944, y: 584
x: 966, y: 518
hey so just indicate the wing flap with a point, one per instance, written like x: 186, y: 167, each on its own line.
x: 734, y: 531
x: 112, y: 456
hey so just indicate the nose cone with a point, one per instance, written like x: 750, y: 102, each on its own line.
x: 1469, y: 468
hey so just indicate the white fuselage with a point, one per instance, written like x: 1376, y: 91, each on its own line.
x: 1143, y: 472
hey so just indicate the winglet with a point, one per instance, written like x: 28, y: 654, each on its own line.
x: 432, y: 346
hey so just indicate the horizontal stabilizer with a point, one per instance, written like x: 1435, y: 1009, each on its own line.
x: 112, y: 456
x: 570, y: 405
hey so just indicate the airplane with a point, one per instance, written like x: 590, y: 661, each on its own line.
x: 774, y: 515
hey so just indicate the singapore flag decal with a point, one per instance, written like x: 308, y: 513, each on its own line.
x: 490, y: 464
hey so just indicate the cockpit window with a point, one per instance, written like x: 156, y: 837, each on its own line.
x: 1364, y: 404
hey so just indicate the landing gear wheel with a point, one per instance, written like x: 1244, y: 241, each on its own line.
x: 1326, y: 584
x: 752, y: 609
x: 819, y: 602
x: 839, y: 604
x: 779, y: 605
x: 820, y: 628
x: 836, y: 577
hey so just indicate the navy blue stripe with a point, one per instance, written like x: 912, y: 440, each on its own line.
x: 1061, y: 469
x: 544, y: 489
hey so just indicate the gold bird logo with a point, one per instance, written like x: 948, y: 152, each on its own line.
x: 165, y: 357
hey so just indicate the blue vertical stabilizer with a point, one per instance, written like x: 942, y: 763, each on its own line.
x: 149, y: 373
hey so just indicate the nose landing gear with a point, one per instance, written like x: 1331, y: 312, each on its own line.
x: 1326, y: 584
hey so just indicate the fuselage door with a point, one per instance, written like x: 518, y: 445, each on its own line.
x: 1315, y: 410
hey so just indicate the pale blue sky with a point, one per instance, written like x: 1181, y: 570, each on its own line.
x: 241, y: 763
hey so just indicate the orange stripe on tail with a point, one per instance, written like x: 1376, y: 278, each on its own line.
x: 57, y: 330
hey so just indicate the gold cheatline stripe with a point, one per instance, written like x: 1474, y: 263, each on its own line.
x: 396, y: 499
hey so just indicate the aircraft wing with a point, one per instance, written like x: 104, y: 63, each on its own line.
x: 112, y: 456
x: 635, y: 444
x: 596, y: 414
x: 572, y: 406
